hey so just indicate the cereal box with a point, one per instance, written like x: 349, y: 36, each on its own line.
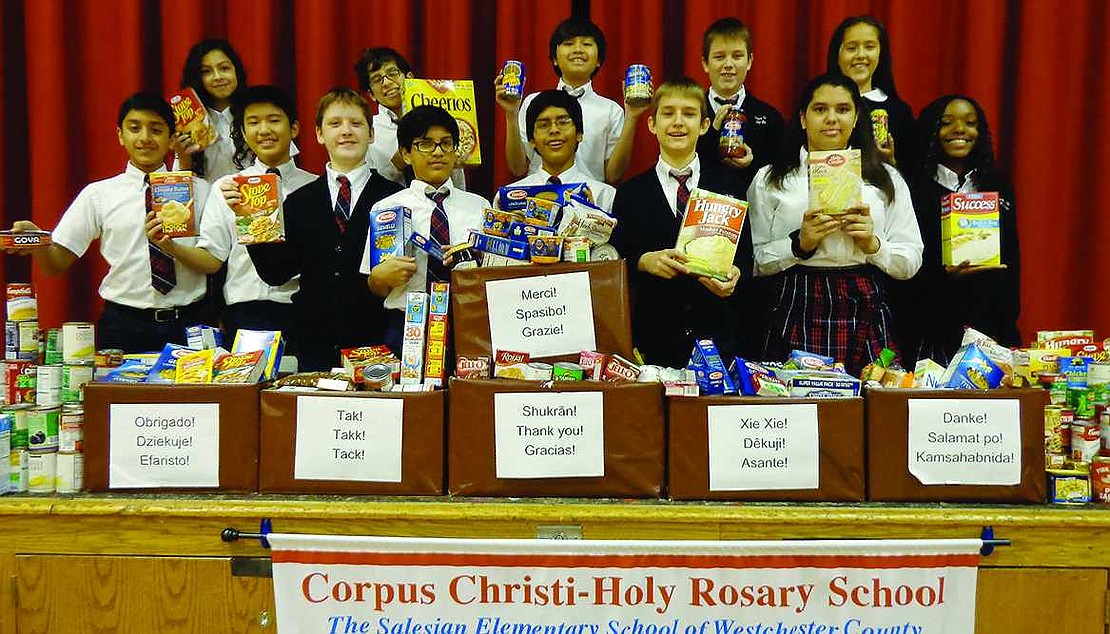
x: 835, y: 180
x: 172, y: 193
x: 710, y: 231
x: 412, y: 346
x: 258, y: 218
x: 190, y: 115
x: 435, y: 354
x: 457, y: 98
x: 969, y: 229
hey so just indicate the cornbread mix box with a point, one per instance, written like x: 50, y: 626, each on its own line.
x: 353, y: 443
x: 710, y: 231
x: 457, y: 98
x: 835, y: 180
x: 570, y: 439
x: 173, y: 204
x: 956, y: 445
x: 258, y: 217
x: 190, y: 115
x: 759, y: 449
x: 969, y: 229
x: 171, y: 437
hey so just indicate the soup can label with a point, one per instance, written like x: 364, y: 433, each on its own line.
x: 70, y: 472
x: 74, y: 377
x: 17, y: 471
x: 22, y: 305
x: 48, y: 385
x: 42, y: 428
x: 78, y: 343
x: 42, y: 471
x: 71, y: 429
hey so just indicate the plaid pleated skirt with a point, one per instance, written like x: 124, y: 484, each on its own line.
x: 839, y: 312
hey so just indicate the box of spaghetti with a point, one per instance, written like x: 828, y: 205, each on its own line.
x: 710, y: 232
x: 835, y: 180
x: 258, y: 217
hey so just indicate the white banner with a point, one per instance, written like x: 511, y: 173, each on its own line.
x: 386, y: 585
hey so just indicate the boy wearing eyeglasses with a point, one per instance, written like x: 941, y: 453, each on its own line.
x: 381, y: 75
x: 428, y: 137
x: 554, y: 126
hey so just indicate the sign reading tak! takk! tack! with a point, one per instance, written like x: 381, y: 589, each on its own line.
x: 544, y: 316
x: 156, y: 445
x: 343, y: 438
x: 338, y: 584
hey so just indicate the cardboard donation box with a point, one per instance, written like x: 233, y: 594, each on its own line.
x: 361, y: 443
x: 552, y: 312
x: 575, y: 439
x: 752, y: 448
x: 171, y: 437
x: 956, y: 445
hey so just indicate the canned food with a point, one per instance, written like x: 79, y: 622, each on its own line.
x: 48, y: 385
x: 18, y: 415
x: 21, y: 340
x: 108, y: 358
x: 576, y: 249
x: 79, y: 343
x: 731, y: 142
x: 1085, y: 440
x: 378, y: 376
x: 71, y: 429
x: 567, y: 371
x: 74, y: 377
x: 512, y: 78
x: 42, y: 428
x: 42, y: 471
x: 22, y: 304
x: 20, y: 376
x: 70, y: 471
x: 1053, y: 431
x: 880, y: 125
x: 537, y: 371
x: 52, y: 352
x: 17, y: 471
x: 637, y: 85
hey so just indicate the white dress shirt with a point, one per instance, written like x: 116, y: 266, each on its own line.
x: 602, y: 120
x: 359, y: 176
x: 714, y: 106
x: 218, y: 236
x: 875, y: 94
x: 775, y: 213
x: 380, y: 153
x: 670, y: 184
x: 602, y: 192
x: 114, y: 210
x: 465, y: 211
x: 951, y: 180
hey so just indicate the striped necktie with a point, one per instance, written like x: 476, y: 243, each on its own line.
x: 343, y: 203
x: 683, y: 194
x: 163, y: 273
x: 440, y: 232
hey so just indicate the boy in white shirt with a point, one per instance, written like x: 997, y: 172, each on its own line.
x: 149, y: 298
x: 554, y: 125
x: 428, y: 137
x: 265, y: 123
x: 577, y: 51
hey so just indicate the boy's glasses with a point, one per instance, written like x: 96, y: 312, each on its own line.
x: 427, y: 146
x: 393, y: 74
x: 562, y: 122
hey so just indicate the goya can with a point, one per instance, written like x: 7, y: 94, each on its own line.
x: 17, y: 471
x: 567, y: 371
x: 637, y: 85
x: 48, y: 385
x: 42, y: 471
x: 71, y: 429
x: 78, y: 343
x: 74, y: 377
x: 512, y: 78
x: 52, y: 351
x: 70, y: 472
x: 42, y: 428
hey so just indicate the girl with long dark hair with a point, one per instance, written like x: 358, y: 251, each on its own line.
x: 215, y: 71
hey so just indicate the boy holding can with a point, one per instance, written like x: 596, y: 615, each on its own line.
x: 649, y: 209
x: 577, y: 51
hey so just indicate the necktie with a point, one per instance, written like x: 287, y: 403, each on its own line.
x: 575, y: 92
x: 163, y: 274
x: 440, y: 233
x: 274, y: 170
x: 343, y: 203
x: 554, y: 180
x: 683, y: 191
x: 731, y: 101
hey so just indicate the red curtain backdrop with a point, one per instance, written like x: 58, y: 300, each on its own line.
x: 1038, y: 68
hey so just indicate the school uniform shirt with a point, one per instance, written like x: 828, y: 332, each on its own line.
x: 775, y: 213
x: 114, y: 210
x: 602, y: 192
x: 763, y: 132
x: 602, y: 120
x: 464, y: 212
x: 218, y: 237
x: 899, y: 123
x: 380, y: 153
x: 219, y: 157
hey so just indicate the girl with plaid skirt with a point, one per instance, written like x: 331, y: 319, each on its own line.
x: 826, y: 270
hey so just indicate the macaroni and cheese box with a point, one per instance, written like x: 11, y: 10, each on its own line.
x: 710, y: 232
x: 969, y: 229
x: 172, y: 195
x: 190, y: 115
x: 457, y: 98
x: 835, y: 180
x: 258, y: 218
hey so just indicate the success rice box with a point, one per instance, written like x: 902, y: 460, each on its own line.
x: 710, y: 231
x: 258, y: 218
x: 835, y: 180
x: 969, y: 229
x: 457, y: 98
x: 172, y: 194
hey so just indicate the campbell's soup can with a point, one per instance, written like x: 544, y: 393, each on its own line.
x: 78, y: 343
x: 48, y: 385
x: 70, y: 472
x: 22, y: 305
x: 42, y: 471
x: 512, y: 78
x: 1086, y: 440
x: 17, y: 471
x: 637, y: 85
x: 74, y: 378
x: 71, y: 429
x: 42, y: 428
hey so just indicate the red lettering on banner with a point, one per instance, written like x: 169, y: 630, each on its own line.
x: 384, y: 594
x: 878, y: 595
x: 305, y: 589
x: 704, y: 592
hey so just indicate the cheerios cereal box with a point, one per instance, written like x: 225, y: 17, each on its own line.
x: 969, y: 229
x: 835, y: 180
x: 710, y: 232
x: 172, y: 194
x: 454, y: 96
x: 190, y: 115
x: 258, y: 218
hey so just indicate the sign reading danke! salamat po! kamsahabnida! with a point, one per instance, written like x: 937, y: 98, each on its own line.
x: 341, y: 584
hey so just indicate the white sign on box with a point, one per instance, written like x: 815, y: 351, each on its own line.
x: 544, y: 316
x: 763, y: 447
x: 549, y: 435
x: 163, y: 445
x: 344, y: 438
x: 965, y: 441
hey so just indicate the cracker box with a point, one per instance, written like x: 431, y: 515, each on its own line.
x: 457, y: 98
x: 258, y: 218
x: 190, y: 115
x: 969, y: 229
x: 710, y: 231
x: 435, y: 369
x: 412, y: 346
x: 172, y: 193
x: 835, y: 180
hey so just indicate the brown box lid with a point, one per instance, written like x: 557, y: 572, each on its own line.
x: 634, y: 424
x: 238, y: 433
x: 888, y: 476
x: 840, y: 472
x: 422, y: 451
